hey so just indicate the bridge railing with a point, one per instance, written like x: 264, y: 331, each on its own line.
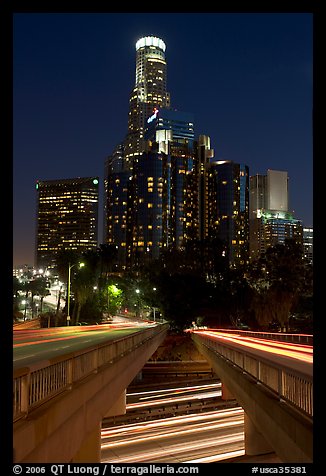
x: 36, y: 385
x: 304, y: 339
x: 290, y: 385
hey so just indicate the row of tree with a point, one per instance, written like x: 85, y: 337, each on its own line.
x: 193, y: 284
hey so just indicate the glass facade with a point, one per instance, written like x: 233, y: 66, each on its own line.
x: 67, y: 217
x: 229, y: 207
x: 149, y: 92
x: 151, y: 212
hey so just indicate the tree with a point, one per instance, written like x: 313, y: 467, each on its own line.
x: 277, y: 278
x: 38, y: 287
x: 83, y: 288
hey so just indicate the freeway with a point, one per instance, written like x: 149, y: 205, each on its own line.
x: 32, y: 346
x: 203, y: 437
x: 184, y: 421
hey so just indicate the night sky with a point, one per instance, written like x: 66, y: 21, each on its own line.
x: 246, y: 77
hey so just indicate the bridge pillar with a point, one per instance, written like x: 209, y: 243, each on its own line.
x: 90, y: 450
x: 255, y: 443
x: 119, y: 406
x: 226, y: 394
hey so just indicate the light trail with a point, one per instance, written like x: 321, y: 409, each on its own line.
x: 219, y: 457
x: 166, y: 401
x: 295, y: 351
x: 199, y: 421
x: 211, y: 444
x: 210, y: 436
x: 172, y: 421
x: 168, y: 391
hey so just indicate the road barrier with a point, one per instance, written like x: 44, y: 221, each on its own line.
x: 290, y: 385
x: 35, y: 385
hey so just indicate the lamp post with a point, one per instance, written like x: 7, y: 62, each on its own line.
x: 137, y: 308
x: 70, y: 266
x: 154, y: 308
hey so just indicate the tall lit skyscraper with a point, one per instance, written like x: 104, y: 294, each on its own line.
x: 228, y: 204
x: 148, y: 94
x: 67, y: 217
x: 116, y: 202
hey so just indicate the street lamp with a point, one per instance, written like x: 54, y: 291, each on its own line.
x: 70, y: 266
x: 138, y: 303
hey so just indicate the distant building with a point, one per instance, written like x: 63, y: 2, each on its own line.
x: 228, y: 192
x: 67, y: 217
x: 22, y: 270
x: 117, y: 203
x: 271, y: 227
x: 270, y: 220
x: 308, y: 249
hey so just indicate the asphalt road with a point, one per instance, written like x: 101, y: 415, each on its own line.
x: 202, y: 437
x: 33, y: 346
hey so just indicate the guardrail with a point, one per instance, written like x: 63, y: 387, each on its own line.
x: 292, y: 386
x: 34, y: 386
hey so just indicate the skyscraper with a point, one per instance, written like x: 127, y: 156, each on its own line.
x: 67, y: 217
x: 148, y: 94
x: 163, y: 188
x: 146, y: 178
x: 308, y: 244
x: 228, y: 203
x: 117, y: 203
x: 270, y: 220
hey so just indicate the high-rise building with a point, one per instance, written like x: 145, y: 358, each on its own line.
x: 151, y: 206
x: 308, y: 242
x: 149, y: 93
x: 67, y: 217
x: 146, y: 178
x: 277, y: 196
x: 257, y: 194
x: 270, y: 220
x: 117, y: 203
x: 228, y: 202
x: 173, y: 133
x: 163, y: 188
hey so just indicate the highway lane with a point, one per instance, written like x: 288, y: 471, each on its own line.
x: 203, y: 437
x: 174, y: 395
x: 186, y: 422
x: 295, y: 356
x: 32, y: 346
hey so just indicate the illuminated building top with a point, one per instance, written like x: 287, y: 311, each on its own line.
x: 150, y: 41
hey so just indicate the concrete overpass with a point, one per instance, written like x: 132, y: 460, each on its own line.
x: 273, y: 387
x: 59, y: 403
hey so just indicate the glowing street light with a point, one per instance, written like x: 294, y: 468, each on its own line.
x: 70, y: 266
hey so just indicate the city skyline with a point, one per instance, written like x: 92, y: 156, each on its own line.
x: 252, y: 98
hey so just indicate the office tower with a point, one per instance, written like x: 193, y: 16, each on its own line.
x: 277, y: 190
x: 308, y: 242
x: 173, y: 133
x: 159, y: 181
x: 67, y: 217
x: 150, y: 209
x: 148, y: 94
x: 275, y: 227
x: 117, y: 190
x: 257, y: 194
x: 167, y: 125
x: 228, y: 202
x: 204, y: 154
x: 270, y: 220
